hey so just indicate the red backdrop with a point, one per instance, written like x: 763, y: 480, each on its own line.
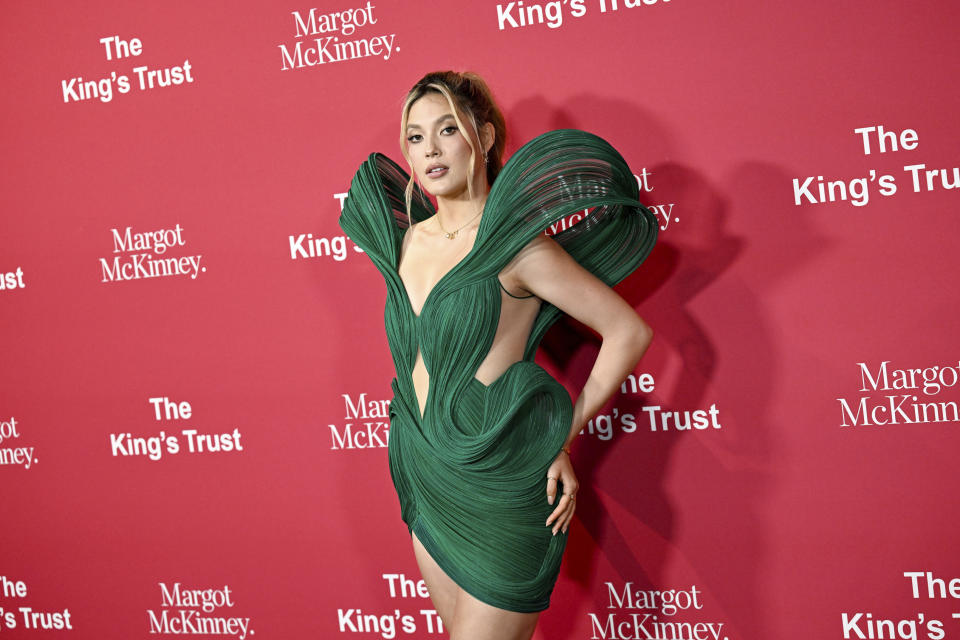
x: 815, y: 332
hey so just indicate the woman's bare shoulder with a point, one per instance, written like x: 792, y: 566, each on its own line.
x: 541, y: 245
x: 540, y: 248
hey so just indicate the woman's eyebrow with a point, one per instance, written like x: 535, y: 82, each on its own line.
x: 440, y: 119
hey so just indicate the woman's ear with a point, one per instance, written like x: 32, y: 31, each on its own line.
x: 487, y: 136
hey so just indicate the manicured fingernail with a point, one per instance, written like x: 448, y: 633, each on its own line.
x: 549, y: 499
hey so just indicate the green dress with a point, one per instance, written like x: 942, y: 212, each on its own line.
x: 471, y: 471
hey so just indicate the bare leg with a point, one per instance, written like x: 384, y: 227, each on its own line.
x: 464, y: 617
x: 476, y: 620
x: 443, y: 590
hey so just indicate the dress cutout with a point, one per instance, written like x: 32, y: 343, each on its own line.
x: 470, y: 473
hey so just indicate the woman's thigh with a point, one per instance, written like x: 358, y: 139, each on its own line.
x: 443, y: 590
x: 477, y: 620
x: 464, y: 617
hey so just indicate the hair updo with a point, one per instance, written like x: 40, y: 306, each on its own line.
x: 470, y: 100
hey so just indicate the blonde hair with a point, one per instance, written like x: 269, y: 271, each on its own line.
x: 469, y: 97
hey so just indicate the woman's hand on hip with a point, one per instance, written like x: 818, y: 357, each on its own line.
x: 562, y: 471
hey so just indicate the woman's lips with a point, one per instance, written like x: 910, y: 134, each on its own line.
x: 440, y: 172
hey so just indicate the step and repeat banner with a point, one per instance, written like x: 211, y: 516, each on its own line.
x: 194, y: 402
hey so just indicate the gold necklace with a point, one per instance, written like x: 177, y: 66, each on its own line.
x: 453, y: 234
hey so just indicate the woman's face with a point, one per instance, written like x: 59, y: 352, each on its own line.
x: 438, y: 151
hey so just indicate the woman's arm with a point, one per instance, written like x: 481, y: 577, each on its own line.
x: 544, y: 268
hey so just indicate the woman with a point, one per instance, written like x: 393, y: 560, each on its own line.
x: 480, y: 434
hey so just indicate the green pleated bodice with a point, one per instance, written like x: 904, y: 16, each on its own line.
x: 470, y: 472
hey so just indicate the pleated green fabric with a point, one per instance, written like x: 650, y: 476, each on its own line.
x: 470, y: 472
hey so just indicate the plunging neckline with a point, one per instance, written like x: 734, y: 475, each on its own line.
x: 403, y: 285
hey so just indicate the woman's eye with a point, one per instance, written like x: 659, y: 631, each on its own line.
x: 414, y: 138
x: 450, y: 128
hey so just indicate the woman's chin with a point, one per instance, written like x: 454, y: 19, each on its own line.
x: 441, y: 190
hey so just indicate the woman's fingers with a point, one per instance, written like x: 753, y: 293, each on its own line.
x: 569, y: 518
x: 560, y: 510
x: 551, y: 489
x: 561, y: 470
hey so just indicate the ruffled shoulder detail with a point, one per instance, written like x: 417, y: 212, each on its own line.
x: 566, y: 177
x: 572, y: 175
x: 374, y: 215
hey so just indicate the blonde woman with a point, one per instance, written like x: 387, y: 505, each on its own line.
x: 480, y: 434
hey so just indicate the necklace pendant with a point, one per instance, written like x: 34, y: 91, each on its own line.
x: 451, y: 235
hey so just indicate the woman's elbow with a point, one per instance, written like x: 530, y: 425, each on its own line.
x: 641, y: 335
